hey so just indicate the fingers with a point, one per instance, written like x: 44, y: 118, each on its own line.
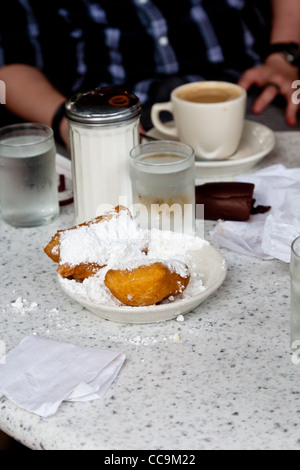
x: 268, y: 95
x: 248, y: 79
x: 256, y: 76
x: 271, y: 88
x: 291, y: 113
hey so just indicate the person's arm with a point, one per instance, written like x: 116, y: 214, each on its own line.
x: 286, y: 21
x: 31, y: 96
x: 276, y: 70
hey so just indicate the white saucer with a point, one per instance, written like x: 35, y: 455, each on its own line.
x: 256, y: 142
x: 209, y: 263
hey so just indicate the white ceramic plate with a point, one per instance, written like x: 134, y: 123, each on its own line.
x: 257, y: 141
x: 210, y: 264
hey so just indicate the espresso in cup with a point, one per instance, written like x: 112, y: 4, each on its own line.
x: 209, y: 94
x: 208, y: 115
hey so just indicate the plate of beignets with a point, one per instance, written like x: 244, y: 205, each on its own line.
x: 125, y: 274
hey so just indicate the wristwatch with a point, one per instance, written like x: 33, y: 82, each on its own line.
x: 290, y: 51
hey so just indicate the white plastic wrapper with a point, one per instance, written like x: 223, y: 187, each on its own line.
x: 269, y: 235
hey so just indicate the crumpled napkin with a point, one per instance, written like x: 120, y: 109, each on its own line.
x: 40, y: 373
x: 269, y: 235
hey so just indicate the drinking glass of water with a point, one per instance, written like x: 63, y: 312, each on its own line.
x: 28, y: 179
x: 295, y: 293
x: 163, y: 186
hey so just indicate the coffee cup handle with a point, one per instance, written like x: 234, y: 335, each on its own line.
x: 156, y: 109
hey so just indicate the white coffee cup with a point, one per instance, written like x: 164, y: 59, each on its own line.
x: 208, y: 115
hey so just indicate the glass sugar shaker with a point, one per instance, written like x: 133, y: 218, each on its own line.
x: 104, y: 127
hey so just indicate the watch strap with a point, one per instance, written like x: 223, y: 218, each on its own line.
x: 291, y: 51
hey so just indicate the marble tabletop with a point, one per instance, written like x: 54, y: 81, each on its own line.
x: 221, y: 379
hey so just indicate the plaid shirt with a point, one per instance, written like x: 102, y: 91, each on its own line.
x: 82, y: 44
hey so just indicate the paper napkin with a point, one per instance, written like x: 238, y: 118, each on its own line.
x: 40, y: 373
x: 267, y: 235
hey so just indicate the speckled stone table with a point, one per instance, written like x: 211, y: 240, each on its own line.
x: 221, y: 379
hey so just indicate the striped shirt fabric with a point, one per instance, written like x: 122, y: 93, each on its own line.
x: 83, y: 44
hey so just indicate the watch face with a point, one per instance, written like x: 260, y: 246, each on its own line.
x: 292, y: 53
x: 289, y: 57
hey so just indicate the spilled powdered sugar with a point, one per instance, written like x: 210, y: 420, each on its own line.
x: 119, y: 243
x: 23, y: 306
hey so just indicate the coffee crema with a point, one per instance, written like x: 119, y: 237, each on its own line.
x: 205, y: 94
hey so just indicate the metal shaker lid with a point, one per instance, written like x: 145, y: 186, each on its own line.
x: 103, y: 106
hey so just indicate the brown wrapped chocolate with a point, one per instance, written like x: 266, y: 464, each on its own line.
x: 227, y: 201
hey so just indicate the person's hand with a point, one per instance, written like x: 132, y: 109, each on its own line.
x: 275, y: 76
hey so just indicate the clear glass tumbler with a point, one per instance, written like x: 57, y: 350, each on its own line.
x: 295, y: 293
x: 163, y: 185
x: 28, y: 179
